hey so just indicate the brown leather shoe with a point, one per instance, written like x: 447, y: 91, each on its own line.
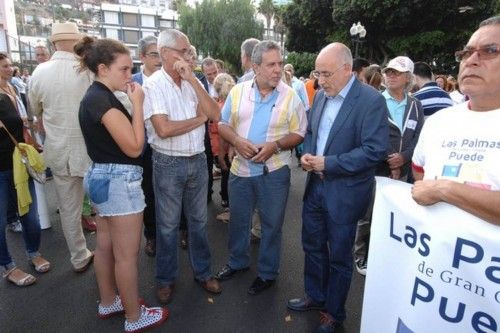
x: 86, y: 265
x: 164, y: 294
x: 150, y: 247
x: 211, y: 285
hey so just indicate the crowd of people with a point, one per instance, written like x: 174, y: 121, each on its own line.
x: 141, y: 150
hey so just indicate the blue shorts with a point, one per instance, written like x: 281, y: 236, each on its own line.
x: 115, y: 189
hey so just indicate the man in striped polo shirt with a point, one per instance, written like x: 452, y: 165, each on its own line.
x: 263, y: 119
x: 430, y: 95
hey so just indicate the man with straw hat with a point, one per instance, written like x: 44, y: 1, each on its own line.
x: 57, y: 87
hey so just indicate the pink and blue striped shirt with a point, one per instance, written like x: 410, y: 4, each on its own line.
x: 262, y: 120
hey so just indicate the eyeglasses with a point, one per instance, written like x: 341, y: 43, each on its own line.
x: 484, y: 53
x: 326, y: 75
x: 392, y: 72
x: 153, y: 54
x: 186, y: 53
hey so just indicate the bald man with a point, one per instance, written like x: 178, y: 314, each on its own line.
x: 347, y: 137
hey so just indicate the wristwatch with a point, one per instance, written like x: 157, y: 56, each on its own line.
x: 278, y: 147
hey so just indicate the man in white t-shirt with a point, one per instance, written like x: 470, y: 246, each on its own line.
x: 457, y: 157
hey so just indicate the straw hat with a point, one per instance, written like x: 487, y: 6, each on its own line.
x: 65, y: 31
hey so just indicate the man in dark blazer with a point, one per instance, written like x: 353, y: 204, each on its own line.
x: 347, y: 137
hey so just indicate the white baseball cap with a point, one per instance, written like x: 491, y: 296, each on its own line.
x: 401, y: 64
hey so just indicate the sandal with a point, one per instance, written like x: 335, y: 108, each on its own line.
x: 22, y: 280
x: 40, y: 264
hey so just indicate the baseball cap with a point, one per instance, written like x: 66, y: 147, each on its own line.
x: 401, y: 64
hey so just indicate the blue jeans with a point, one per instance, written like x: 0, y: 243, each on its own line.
x: 328, y: 252
x: 29, y: 221
x: 180, y: 183
x: 269, y: 193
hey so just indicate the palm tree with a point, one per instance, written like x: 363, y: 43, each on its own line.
x: 279, y: 25
x: 266, y: 8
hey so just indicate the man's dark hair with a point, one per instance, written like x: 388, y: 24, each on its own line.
x: 423, y: 70
x: 358, y: 64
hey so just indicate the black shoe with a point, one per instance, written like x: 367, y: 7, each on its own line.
x: 227, y: 272
x: 304, y: 304
x: 259, y: 285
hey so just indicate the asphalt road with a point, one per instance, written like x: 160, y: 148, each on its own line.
x: 63, y: 301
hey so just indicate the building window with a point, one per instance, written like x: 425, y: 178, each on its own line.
x: 130, y: 20
x: 148, y: 33
x: 111, y: 18
x: 112, y: 33
x: 167, y: 24
x: 130, y: 36
x: 147, y: 20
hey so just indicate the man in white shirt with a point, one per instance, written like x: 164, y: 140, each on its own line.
x: 176, y: 108
x: 458, y: 153
x: 56, y: 89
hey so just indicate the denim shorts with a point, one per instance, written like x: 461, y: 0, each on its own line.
x: 115, y: 189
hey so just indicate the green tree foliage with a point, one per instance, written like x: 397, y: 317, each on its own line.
x: 308, y: 24
x: 218, y: 27
x: 425, y: 30
x: 303, y: 63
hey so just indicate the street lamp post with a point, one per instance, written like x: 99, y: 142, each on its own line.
x: 358, y: 33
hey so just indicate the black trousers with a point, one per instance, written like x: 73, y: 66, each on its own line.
x: 149, y: 195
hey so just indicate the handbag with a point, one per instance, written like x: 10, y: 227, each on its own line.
x: 38, y: 176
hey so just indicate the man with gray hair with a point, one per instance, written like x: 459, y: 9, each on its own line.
x: 176, y: 107
x: 42, y: 54
x: 262, y: 119
x: 149, y: 56
x: 246, y: 58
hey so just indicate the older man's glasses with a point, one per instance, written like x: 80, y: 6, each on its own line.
x: 186, y: 53
x: 326, y: 75
x: 484, y: 53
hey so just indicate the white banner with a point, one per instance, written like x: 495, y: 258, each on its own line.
x: 430, y: 269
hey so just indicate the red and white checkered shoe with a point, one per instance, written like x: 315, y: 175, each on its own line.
x: 150, y: 317
x: 116, y: 308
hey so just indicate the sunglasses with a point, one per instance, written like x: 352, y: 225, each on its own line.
x: 484, y: 53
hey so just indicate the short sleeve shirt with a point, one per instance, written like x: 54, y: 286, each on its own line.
x: 101, y: 146
x: 461, y: 145
x: 263, y: 120
x: 162, y: 96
